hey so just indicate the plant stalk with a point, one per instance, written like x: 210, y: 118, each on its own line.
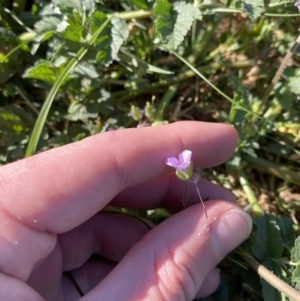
x: 249, y: 192
x: 272, y: 279
x: 274, y: 169
x: 40, y: 122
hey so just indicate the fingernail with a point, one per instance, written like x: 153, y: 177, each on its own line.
x: 230, y: 231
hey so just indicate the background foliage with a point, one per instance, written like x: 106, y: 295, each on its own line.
x: 74, y: 68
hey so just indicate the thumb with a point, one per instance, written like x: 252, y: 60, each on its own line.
x: 172, y: 261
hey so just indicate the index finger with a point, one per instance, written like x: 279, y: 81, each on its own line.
x: 59, y: 189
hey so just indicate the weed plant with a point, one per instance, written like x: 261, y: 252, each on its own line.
x: 74, y: 68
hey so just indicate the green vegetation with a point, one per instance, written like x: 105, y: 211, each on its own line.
x: 74, y: 68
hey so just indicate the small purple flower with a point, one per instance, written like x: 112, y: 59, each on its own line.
x: 298, y: 5
x: 183, y: 163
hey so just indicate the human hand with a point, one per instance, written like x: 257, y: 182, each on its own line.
x: 50, y: 221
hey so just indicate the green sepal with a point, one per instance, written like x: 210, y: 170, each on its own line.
x: 185, y: 175
x: 136, y: 113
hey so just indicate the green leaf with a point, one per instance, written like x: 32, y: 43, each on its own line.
x: 10, y: 56
x: 143, y: 4
x: 84, y: 7
x: 294, y: 85
x: 267, y: 241
x: 86, y: 69
x: 44, y: 71
x: 241, y: 99
x: 111, y: 38
x: 295, y: 254
x: 270, y: 293
x: 14, y: 120
x: 38, y: 127
x: 46, y: 28
x: 286, y: 230
x: 7, y: 37
x: 101, y: 103
x: 284, y: 96
x: 73, y: 32
x: 173, y: 22
x: 254, y: 8
x: 296, y: 274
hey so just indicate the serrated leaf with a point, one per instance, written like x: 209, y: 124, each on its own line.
x: 101, y: 103
x: 49, y: 24
x: 267, y: 241
x: 297, y: 286
x: 7, y: 37
x: 86, y: 69
x: 294, y: 85
x: 286, y: 230
x: 9, y: 120
x: 111, y: 38
x: 143, y: 4
x: 46, y: 28
x: 14, y: 124
x: 84, y: 7
x: 44, y: 71
x: 10, y: 56
x: 270, y: 293
x: 38, y: 127
x: 253, y: 8
x: 296, y: 274
x: 173, y: 22
x: 241, y: 99
x: 73, y: 31
x: 295, y: 254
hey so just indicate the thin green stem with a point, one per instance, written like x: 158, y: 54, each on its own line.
x: 124, y: 95
x: 277, y: 170
x: 33, y: 108
x: 281, y: 15
x: 15, y: 17
x: 38, y: 127
x: 201, y: 199
x: 139, y: 14
x: 208, y: 81
x: 249, y: 193
x: 12, y: 51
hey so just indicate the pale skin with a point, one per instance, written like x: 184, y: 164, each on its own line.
x: 50, y: 221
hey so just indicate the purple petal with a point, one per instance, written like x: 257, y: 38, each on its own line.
x: 185, y: 156
x: 183, y: 166
x: 172, y: 161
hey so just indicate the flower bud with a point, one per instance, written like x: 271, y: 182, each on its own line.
x: 136, y: 113
x: 184, y: 175
x: 149, y: 110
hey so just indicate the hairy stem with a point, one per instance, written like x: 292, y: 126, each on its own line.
x: 201, y: 200
x: 271, y: 278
